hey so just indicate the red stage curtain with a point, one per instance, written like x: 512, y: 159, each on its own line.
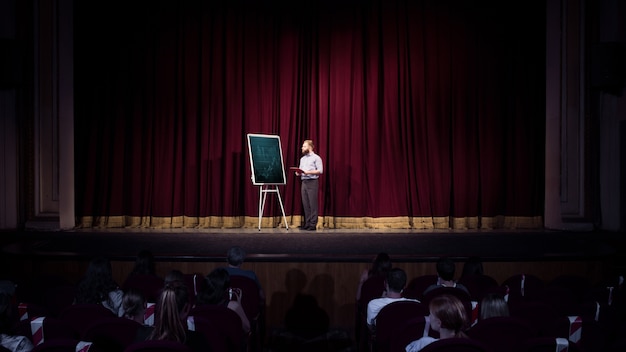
x: 419, y: 109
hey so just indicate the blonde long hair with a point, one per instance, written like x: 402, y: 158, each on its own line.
x: 168, y: 322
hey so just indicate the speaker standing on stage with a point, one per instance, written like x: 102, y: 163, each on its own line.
x: 312, y: 167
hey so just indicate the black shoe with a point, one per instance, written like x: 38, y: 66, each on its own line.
x: 310, y: 228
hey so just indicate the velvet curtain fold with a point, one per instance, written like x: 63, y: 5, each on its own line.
x: 427, y: 114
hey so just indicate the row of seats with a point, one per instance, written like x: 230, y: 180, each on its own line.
x: 94, y: 323
x: 567, y: 307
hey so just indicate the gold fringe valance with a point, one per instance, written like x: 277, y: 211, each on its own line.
x: 329, y: 222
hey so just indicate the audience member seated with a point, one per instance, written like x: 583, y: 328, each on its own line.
x: 252, y: 294
x: 493, y: 305
x: 170, y: 323
x: 134, y: 305
x: 396, y: 280
x: 379, y: 268
x: 218, y: 292
x: 446, y: 270
x: 143, y: 277
x: 14, y: 343
x: 98, y: 287
x: 473, y: 266
x: 172, y: 276
x: 447, y: 317
x: 235, y: 258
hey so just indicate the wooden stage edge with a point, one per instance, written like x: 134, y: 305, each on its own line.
x: 324, y: 245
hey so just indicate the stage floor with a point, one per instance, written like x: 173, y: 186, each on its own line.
x: 279, y: 244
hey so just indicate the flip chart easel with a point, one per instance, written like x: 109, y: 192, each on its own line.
x: 268, y: 168
x: 263, y: 191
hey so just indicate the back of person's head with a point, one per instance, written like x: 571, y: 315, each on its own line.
x: 235, y: 256
x: 473, y: 266
x: 171, y: 313
x: 381, y: 264
x: 97, y: 282
x: 144, y: 263
x: 216, y: 288
x: 451, y: 312
x: 134, y: 304
x: 493, y: 305
x: 396, y: 279
x: 446, y: 268
x: 174, y: 275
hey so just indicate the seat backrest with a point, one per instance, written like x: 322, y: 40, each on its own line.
x: 392, y: 317
x: 52, y: 328
x: 56, y: 298
x: 157, y: 346
x: 587, y: 333
x: 455, y: 344
x: 195, y: 283
x: 373, y: 287
x: 119, y: 330
x: 250, y: 299
x: 415, y: 288
x: 502, y: 334
x: 213, y: 334
x: 80, y: 316
x: 227, y: 321
x: 480, y: 285
x: 522, y: 286
x: 413, y: 329
x: 534, y: 312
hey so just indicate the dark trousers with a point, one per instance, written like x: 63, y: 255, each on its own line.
x: 309, y: 192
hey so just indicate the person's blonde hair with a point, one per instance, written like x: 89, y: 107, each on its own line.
x: 493, y: 305
x: 168, y: 324
x: 310, y: 143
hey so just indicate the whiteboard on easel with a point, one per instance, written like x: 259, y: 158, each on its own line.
x: 266, y: 159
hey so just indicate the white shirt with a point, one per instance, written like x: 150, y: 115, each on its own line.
x: 16, y: 343
x: 417, y: 345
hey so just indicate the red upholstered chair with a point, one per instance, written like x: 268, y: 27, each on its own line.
x: 456, y: 345
x: 227, y: 321
x: 502, y: 334
x: 522, y: 286
x: 391, y: 318
x: 213, y: 333
x: 250, y: 299
x: 480, y: 285
x: 80, y: 316
x: 372, y: 288
x: 411, y: 330
x: 252, y: 306
x: 118, y: 330
x: 195, y: 282
x: 53, y: 328
x: 586, y: 333
x: 415, y: 288
x: 58, y: 297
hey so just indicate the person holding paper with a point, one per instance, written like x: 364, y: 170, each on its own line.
x: 311, y: 167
